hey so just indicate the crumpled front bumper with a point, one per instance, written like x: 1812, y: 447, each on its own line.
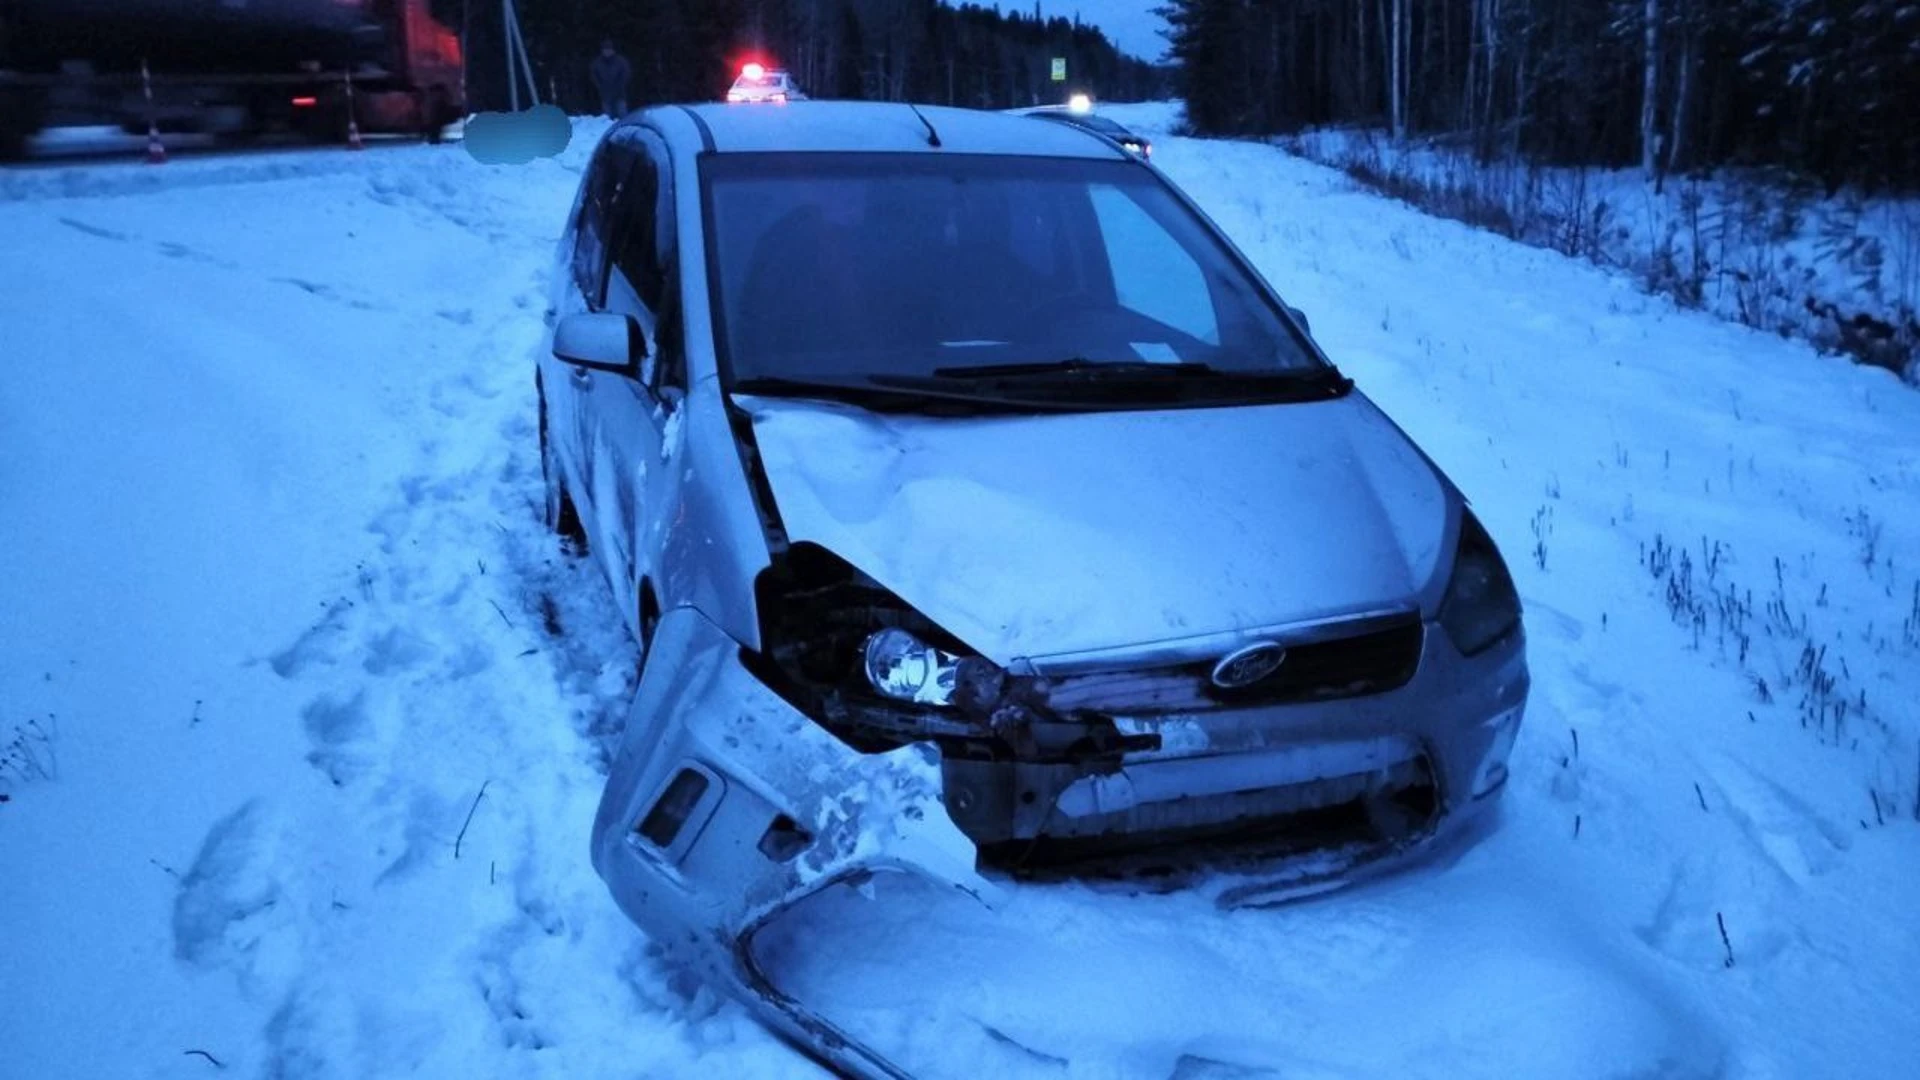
x: 1450, y: 727
x: 725, y: 807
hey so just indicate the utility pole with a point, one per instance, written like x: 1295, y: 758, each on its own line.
x: 517, y: 55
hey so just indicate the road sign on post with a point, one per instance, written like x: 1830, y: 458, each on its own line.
x: 1059, y: 69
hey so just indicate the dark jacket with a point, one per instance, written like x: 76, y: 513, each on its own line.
x: 610, y: 75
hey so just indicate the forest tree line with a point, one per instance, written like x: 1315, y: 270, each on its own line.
x: 1825, y: 88
x: 916, y: 50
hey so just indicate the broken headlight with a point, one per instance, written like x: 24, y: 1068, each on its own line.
x: 901, y: 667
x: 844, y: 650
x: 1482, y: 605
x: 904, y: 668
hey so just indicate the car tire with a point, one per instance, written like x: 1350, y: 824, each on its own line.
x: 560, y: 514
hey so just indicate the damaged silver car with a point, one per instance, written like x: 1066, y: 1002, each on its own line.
x: 982, y: 514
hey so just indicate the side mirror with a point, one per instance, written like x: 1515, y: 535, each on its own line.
x: 1301, y: 317
x: 601, y: 341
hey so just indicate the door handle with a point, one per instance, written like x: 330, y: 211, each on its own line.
x: 582, y: 379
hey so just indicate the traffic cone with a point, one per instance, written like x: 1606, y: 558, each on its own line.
x: 353, y: 128
x: 156, y: 150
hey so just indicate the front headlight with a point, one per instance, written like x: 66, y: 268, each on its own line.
x: 1482, y: 605
x: 904, y: 668
x: 846, y: 652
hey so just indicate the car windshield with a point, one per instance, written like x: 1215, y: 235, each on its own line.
x: 864, y: 266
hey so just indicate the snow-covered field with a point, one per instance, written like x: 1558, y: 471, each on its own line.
x: 302, y: 716
x: 1841, y: 270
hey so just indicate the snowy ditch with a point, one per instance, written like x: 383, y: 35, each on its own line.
x: 308, y: 716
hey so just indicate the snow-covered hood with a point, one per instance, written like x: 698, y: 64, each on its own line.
x: 1037, y: 536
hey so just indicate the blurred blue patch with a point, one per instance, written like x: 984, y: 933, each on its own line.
x: 515, y: 138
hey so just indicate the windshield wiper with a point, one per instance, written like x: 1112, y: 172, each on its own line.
x: 1138, y: 383
x: 882, y: 394
x: 1078, y: 366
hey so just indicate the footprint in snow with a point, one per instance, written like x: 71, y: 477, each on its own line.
x: 339, y: 730
x: 1758, y: 907
x: 394, y: 651
x: 1778, y: 825
x: 328, y: 292
x: 232, y: 909
x: 174, y: 250
x: 317, y: 646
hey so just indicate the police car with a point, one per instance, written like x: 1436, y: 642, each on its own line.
x: 757, y: 83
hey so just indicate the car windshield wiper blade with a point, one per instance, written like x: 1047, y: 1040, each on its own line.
x: 884, y: 394
x: 1138, y: 382
x: 1078, y: 366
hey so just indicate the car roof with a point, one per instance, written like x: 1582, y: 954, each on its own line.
x: 1090, y: 121
x: 879, y: 126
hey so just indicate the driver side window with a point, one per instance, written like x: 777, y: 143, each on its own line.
x: 598, y: 212
x: 1152, y: 273
x: 643, y: 269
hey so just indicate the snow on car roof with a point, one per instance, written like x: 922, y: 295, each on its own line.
x: 850, y: 126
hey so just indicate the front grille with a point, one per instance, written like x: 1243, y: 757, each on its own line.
x: 1240, y: 831
x: 1372, y: 662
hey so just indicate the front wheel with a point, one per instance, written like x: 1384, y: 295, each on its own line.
x: 561, y: 516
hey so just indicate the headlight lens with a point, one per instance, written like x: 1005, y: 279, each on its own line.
x: 1482, y: 605
x: 901, y: 666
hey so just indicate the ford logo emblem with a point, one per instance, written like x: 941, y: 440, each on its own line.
x: 1245, y: 666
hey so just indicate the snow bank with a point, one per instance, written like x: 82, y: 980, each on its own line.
x: 1840, y: 270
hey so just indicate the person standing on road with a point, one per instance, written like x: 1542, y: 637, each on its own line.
x: 611, y: 73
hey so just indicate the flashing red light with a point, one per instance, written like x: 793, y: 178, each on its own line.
x: 305, y: 102
x: 753, y: 71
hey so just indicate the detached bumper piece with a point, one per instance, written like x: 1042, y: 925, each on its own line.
x: 725, y: 807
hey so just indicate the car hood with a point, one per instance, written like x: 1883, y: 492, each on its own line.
x: 1030, y: 537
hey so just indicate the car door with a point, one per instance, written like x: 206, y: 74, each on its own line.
x: 567, y: 388
x: 636, y: 419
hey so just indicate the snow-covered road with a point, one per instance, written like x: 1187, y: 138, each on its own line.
x: 303, y: 715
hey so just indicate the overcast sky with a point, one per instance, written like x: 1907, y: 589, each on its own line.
x: 1130, y: 24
